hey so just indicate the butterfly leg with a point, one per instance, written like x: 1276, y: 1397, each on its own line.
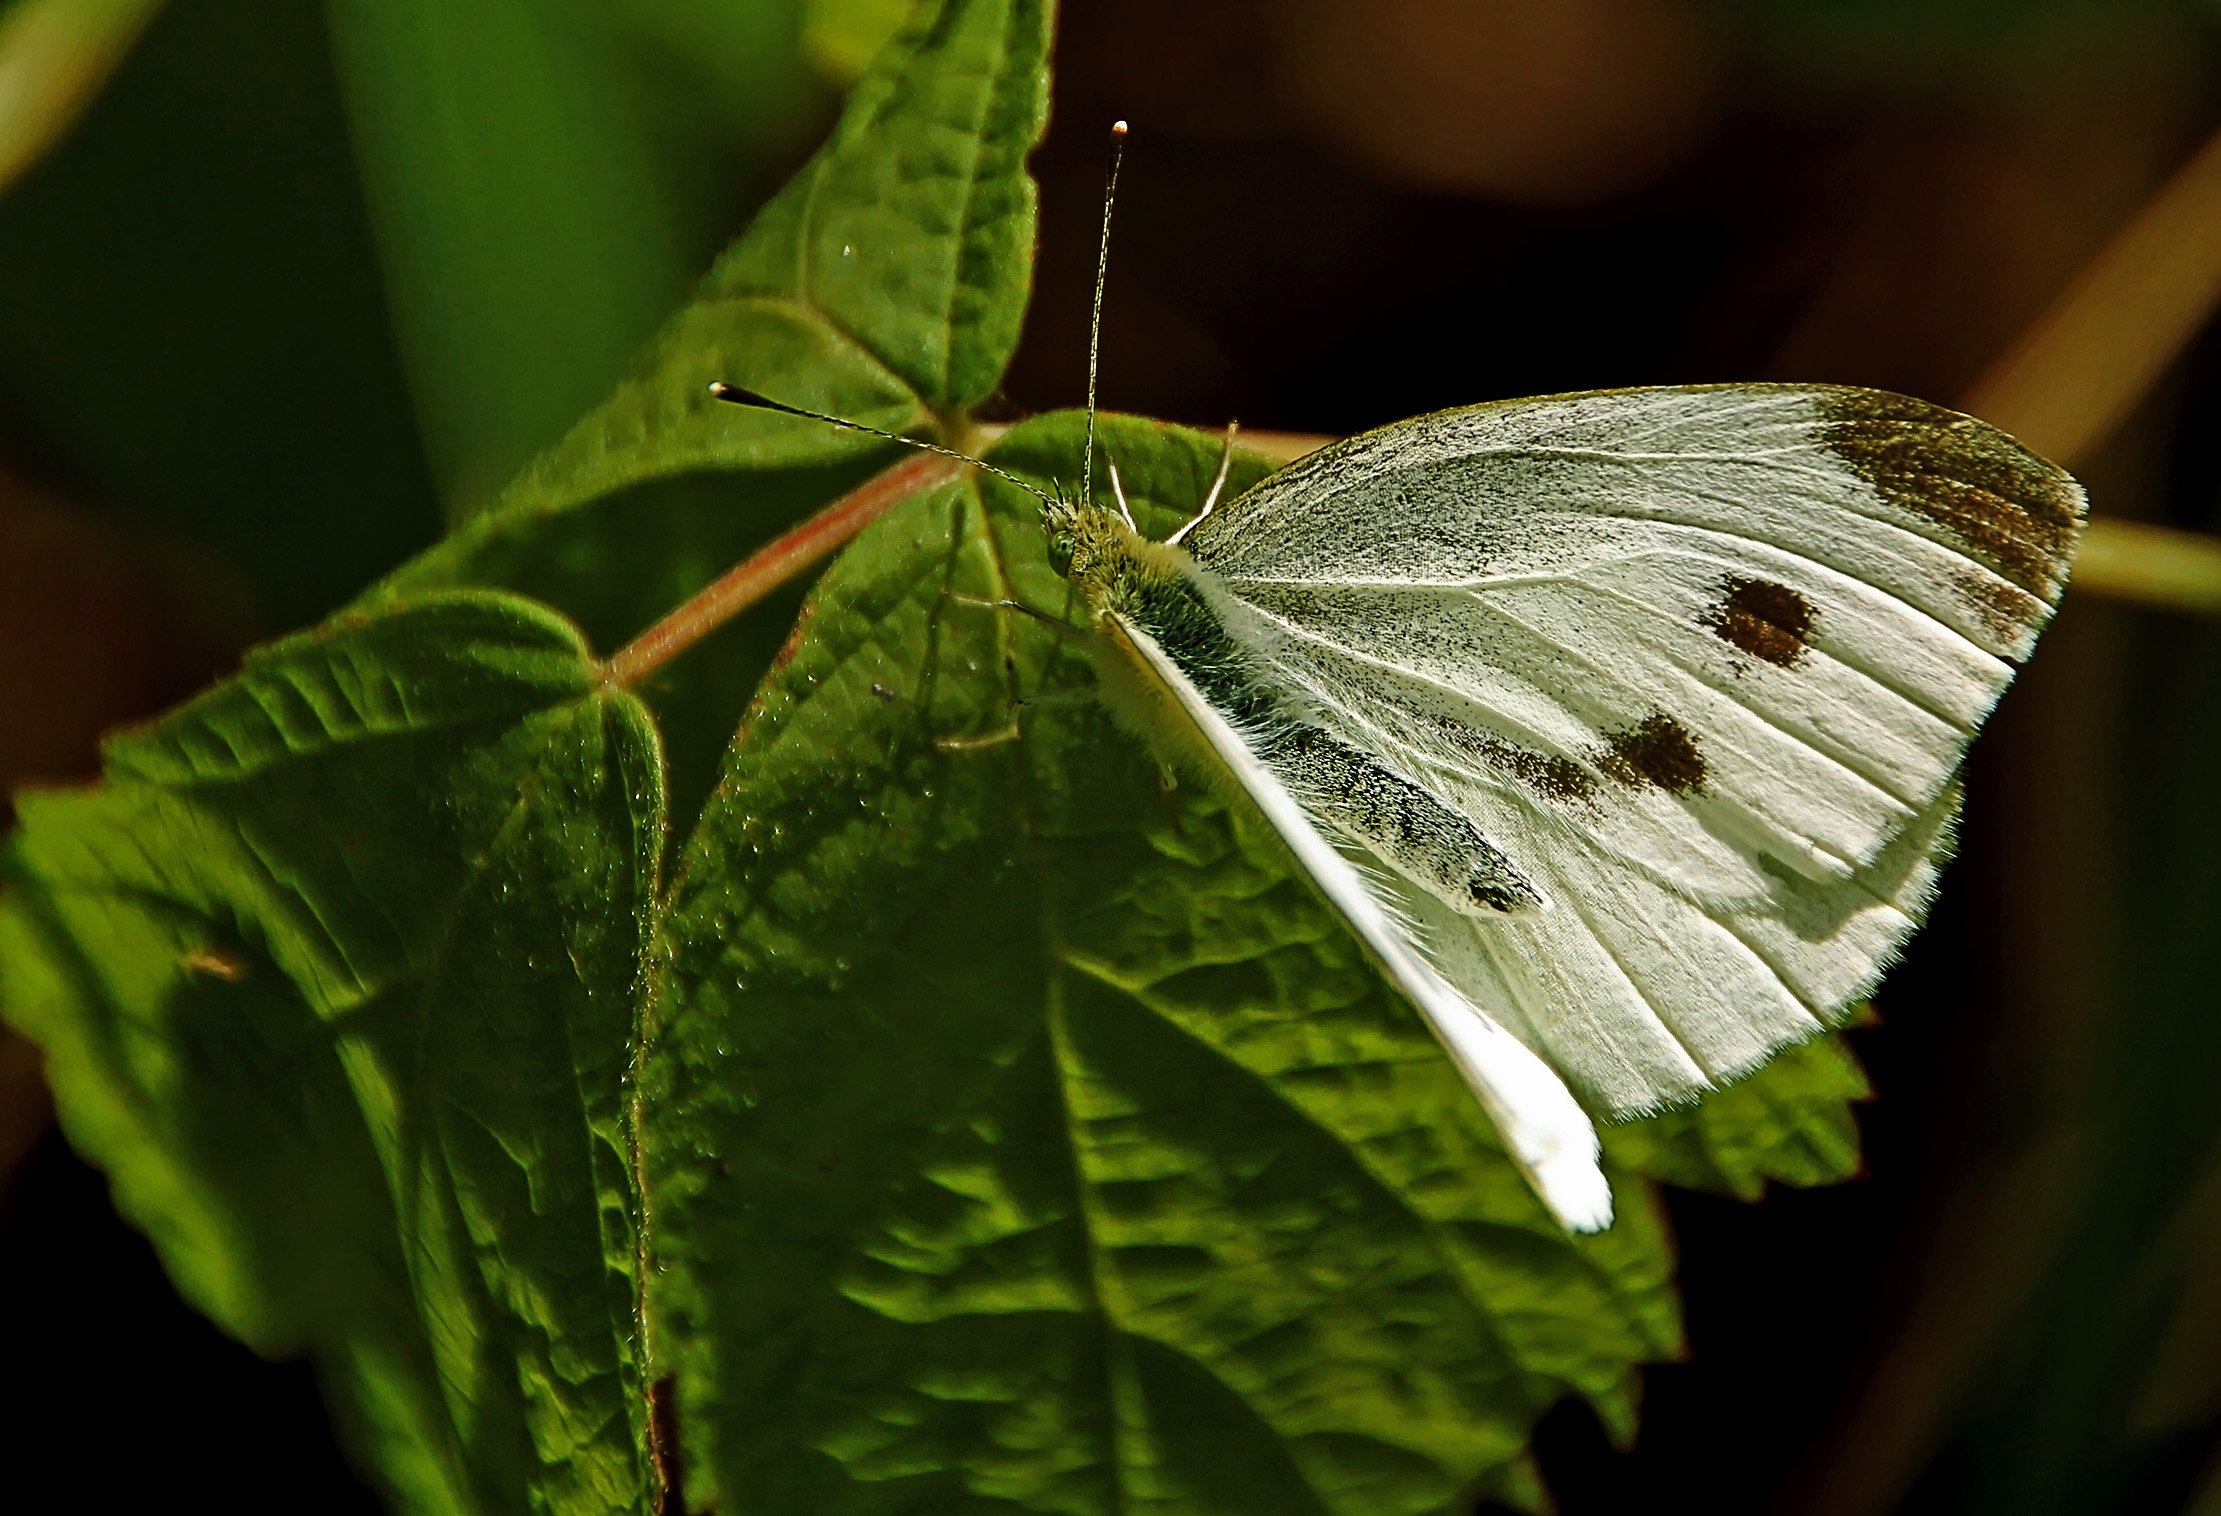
x: 1218, y: 484
x: 1009, y: 732
x: 970, y: 742
x: 1168, y: 800
x: 1023, y: 609
x: 1118, y: 493
x: 974, y: 742
x: 1070, y: 694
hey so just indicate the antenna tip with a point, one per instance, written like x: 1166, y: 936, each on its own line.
x: 1118, y: 128
x: 720, y: 390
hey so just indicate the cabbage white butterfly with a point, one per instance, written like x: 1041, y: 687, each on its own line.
x: 1622, y: 728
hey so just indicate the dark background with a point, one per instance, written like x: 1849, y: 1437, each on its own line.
x: 288, y: 296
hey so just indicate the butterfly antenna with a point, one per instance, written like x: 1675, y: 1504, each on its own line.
x: 1095, y: 316
x: 733, y: 394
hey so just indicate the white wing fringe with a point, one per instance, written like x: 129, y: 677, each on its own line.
x: 1544, y: 1129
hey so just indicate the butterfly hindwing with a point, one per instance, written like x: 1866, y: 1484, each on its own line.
x: 1544, y: 1130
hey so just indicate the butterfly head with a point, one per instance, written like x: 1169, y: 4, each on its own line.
x: 1094, y: 548
x: 1058, y: 520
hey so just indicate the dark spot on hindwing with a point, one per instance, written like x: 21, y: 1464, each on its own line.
x: 1550, y: 775
x: 1769, y: 621
x: 2006, y: 507
x: 1658, y: 752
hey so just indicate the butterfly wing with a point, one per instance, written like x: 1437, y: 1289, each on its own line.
x: 1547, y: 1134
x: 1698, y: 664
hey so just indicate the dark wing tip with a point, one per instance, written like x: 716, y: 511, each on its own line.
x: 2007, y: 508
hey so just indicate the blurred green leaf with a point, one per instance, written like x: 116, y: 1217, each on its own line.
x: 526, y: 249
x: 54, y: 57
x: 192, y: 334
x: 841, y: 36
x: 728, y: 100
x: 334, y: 976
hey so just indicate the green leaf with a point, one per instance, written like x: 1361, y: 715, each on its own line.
x: 1030, y: 1139
x: 840, y: 36
x: 334, y: 975
x: 885, y: 284
x: 1010, y: 1134
x: 1791, y: 1122
x: 61, y: 53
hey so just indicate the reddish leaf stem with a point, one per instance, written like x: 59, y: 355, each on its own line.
x: 777, y: 562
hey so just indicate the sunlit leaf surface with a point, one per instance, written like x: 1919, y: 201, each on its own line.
x: 951, y: 1116
x: 335, y: 976
x: 1027, y: 1138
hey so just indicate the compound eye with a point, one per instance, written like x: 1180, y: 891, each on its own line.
x: 1060, y: 552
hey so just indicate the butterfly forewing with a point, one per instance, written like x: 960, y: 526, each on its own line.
x: 1699, y: 664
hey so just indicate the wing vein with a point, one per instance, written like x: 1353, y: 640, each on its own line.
x: 1650, y: 1006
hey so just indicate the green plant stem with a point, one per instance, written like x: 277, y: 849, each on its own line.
x: 763, y: 571
x: 2151, y: 565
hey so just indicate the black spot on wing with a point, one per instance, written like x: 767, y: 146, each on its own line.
x: 1658, y: 752
x: 1769, y: 621
x: 2007, y: 508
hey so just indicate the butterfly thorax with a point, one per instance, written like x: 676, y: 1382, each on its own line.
x: 1113, y: 567
x: 1141, y: 596
x: 1131, y: 586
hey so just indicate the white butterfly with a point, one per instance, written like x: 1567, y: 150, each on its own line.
x: 1622, y: 728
